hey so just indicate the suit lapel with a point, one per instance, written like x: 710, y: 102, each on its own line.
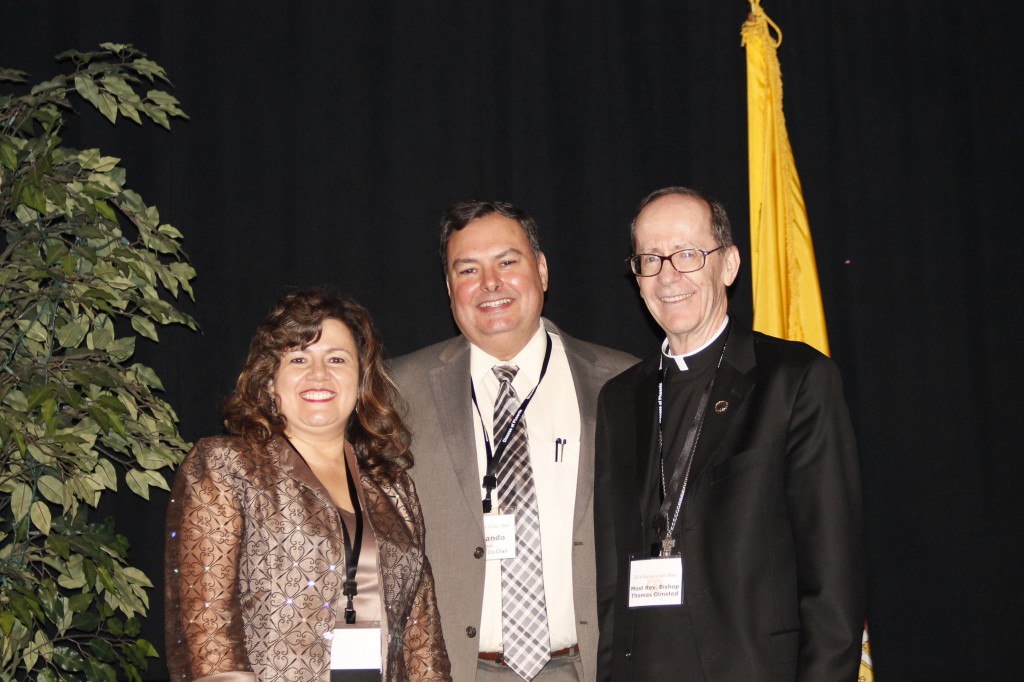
x: 587, y: 378
x: 733, y: 384
x: 449, y: 383
x: 647, y: 432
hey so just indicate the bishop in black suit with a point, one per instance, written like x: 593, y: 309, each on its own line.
x: 765, y: 516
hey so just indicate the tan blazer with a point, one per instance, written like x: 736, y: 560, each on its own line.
x: 255, y: 567
x: 435, y: 382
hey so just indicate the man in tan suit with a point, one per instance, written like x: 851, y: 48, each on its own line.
x: 497, y: 276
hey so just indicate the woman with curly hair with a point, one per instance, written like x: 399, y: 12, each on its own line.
x: 295, y: 545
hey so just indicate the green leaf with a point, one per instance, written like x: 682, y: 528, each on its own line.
x: 71, y: 334
x: 29, y: 661
x: 149, y: 69
x: 106, y: 474
x: 51, y: 488
x: 86, y: 621
x: 27, y: 193
x: 102, y: 649
x: 47, y: 412
x: 108, y: 106
x: 89, y: 158
x: 87, y: 88
x: 99, y: 339
x: 39, y: 454
x: 115, y: 626
x: 152, y: 458
x: 92, y: 159
x: 101, y: 185
x: 157, y: 480
x: 43, y: 645
x: 117, y: 86
x: 100, y: 416
x: 79, y: 602
x: 167, y: 102
x: 8, y: 153
x: 145, y: 327
x: 26, y: 610
x: 130, y: 112
x: 33, y: 330
x: 117, y: 48
x: 138, y: 482
x: 6, y: 622
x: 137, y: 576
x: 17, y: 401
x: 122, y: 349
x: 157, y: 115
x: 48, y: 598
x: 170, y: 231
x: 118, y: 426
x: 68, y: 659
x: 59, y: 546
x: 39, y: 396
x: 13, y: 75
x: 112, y: 403
x: 40, y: 514
x: 147, y: 649
x: 106, y: 210
x: 21, y: 502
x: 147, y: 377
x: 69, y: 264
x: 97, y: 671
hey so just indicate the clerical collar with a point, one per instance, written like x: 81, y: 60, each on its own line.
x: 681, y: 359
x: 528, y: 360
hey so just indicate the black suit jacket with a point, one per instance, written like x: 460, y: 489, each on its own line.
x: 771, y: 525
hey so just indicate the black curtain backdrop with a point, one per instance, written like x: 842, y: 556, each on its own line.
x: 326, y: 138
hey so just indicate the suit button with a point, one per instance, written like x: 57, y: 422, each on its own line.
x: 471, y: 632
x: 629, y: 654
x: 478, y: 552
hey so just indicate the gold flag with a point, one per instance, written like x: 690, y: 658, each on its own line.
x: 787, y: 298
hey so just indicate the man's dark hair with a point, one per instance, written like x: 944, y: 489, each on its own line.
x: 460, y: 214
x: 721, y: 230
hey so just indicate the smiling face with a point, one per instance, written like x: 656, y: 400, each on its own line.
x: 316, y: 387
x: 496, y: 285
x: 688, y: 307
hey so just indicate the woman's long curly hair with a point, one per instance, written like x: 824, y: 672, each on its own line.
x: 375, y: 429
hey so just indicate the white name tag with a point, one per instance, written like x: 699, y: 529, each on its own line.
x: 356, y: 647
x: 655, y: 581
x: 500, y: 536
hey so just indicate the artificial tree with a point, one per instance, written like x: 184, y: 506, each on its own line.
x: 85, y: 267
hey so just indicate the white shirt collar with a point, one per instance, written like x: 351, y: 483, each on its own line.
x: 681, y: 359
x: 528, y: 360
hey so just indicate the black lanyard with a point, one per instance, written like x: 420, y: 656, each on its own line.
x: 494, y: 458
x: 352, y: 550
x: 675, y: 489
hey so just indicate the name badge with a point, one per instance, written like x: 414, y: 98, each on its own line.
x: 655, y: 581
x: 500, y: 536
x: 356, y: 647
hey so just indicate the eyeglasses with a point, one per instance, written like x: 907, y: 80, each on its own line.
x: 687, y: 260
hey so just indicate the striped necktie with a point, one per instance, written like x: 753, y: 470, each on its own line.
x: 524, y: 611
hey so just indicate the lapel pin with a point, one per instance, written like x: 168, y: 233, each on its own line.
x: 721, y: 406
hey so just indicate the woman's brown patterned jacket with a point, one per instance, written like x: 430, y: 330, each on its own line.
x: 255, y: 566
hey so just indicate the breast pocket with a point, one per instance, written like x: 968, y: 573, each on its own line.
x: 740, y: 462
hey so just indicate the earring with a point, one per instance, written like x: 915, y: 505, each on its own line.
x: 273, y: 405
